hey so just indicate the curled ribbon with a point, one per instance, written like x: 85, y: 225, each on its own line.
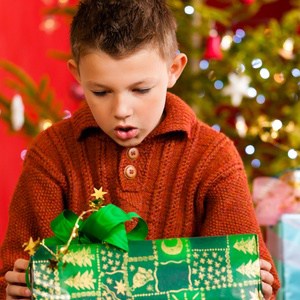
x: 104, y: 225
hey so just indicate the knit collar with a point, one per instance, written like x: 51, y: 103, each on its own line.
x: 179, y: 117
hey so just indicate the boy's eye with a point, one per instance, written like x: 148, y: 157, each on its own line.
x: 142, y: 91
x: 100, y: 93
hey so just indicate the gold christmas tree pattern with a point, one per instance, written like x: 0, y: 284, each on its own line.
x: 185, y: 268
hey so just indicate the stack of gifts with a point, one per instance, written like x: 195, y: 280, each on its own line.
x: 95, y: 258
x: 277, y: 202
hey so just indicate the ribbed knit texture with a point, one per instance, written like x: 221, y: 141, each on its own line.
x: 190, y: 181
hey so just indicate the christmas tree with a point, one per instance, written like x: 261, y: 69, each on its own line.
x: 245, y: 81
x: 241, y: 80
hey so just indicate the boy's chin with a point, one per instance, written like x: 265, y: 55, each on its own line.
x: 128, y: 143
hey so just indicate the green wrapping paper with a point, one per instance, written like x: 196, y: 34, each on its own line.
x: 225, y: 267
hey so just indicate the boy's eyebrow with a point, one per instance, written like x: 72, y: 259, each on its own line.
x: 96, y: 84
x: 100, y: 85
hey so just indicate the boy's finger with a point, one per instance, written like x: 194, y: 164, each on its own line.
x: 267, y: 277
x: 15, y: 277
x: 21, y: 265
x: 265, y: 265
x: 17, y: 291
x: 267, y: 291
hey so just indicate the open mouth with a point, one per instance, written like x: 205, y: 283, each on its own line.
x: 125, y: 129
x: 126, y: 133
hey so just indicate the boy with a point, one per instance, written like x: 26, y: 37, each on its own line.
x: 144, y: 146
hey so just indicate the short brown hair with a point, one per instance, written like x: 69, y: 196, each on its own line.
x: 121, y: 27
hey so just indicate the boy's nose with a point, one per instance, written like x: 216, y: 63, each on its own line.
x: 122, y: 107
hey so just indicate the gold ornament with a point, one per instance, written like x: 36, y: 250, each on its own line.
x: 287, y: 49
x: 98, y: 194
x: 45, y: 124
x: 172, y: 250
x: 31, y: 246
x: 97, y: 203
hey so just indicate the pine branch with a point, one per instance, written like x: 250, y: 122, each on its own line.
x: 59, y: 55
x: 21, y: 75
x: 66, y: 11
x: 4, y: 102
x: 38, y: 96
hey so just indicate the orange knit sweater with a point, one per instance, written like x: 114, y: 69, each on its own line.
x: 187, y: 180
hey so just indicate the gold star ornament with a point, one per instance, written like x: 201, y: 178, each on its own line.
x: 98, y: 194
x: 31, y: 246
x: 97, y: 203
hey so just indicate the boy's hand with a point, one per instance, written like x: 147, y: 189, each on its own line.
x: 16, y: 282
x: 267, y: 279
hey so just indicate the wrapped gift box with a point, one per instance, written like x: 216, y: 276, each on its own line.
x: 283, y: 240
x: 224, y: 267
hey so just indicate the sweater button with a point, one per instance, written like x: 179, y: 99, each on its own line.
x: 133, y: 153
x: 130, y: 172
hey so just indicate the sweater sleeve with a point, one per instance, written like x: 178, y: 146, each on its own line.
x: 37, y: 199
x: 228, y: 205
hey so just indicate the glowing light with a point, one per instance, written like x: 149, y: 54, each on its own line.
x: 250, y: 150
x: 241, y: 68
x: 216, y: 127
x: 256, y: 63
x: 274, y: 135
x: 204, y: 64
x: 49, y: 24
x: 290, y: 127
x: 218, y: 84
x: 67, y: 114
x: 252, y: 93
x: 63, y: 1
x: 288, y: 45
x: 189, y: 10
x: 240, y: 33
x: 45, y: 124
x: 279, y: 78
x: 23, y: 154
x: 260, y: 99
x: 226, y: 42
x: 255, y: 163
x: 287, y: 49
x: 241, y: 126
x: 292, y: 154
x: 264, y: 73
x: 237, y: 39
x: 296, y: 72
x: 17, y: 112
x: 277, y: 125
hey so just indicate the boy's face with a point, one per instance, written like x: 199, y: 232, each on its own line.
x: 127, y: 96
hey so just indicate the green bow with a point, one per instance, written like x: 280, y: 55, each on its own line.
x: 104, y: 225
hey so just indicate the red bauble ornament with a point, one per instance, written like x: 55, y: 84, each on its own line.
x: 213, y: 46
x: 247, y: 2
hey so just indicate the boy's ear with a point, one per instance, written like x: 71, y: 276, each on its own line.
x: 176, y: 68
x: 72, y: 66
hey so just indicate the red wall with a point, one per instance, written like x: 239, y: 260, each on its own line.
x: 22, y: 42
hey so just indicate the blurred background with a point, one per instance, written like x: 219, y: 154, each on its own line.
x: 243, y: 78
